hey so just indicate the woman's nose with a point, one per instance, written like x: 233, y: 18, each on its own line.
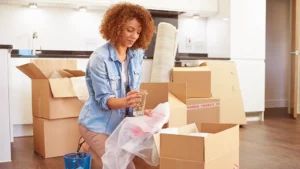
x: 135, y: 35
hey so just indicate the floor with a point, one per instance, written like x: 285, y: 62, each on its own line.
x: 272, y: 144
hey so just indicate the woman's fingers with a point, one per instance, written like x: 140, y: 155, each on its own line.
x: 148, y: 112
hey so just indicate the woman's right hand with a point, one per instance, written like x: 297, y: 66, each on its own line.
x: 133, y: 99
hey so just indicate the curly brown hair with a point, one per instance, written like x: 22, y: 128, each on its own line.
x: 117, y: 15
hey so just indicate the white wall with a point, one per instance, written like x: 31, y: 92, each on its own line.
x: 277, y: 53
x: 218, y: 32
x: 193, y: 30
x: 58, y: 28
x: 68, y: 29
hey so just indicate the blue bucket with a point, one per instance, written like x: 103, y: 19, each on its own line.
x: 79, y: 160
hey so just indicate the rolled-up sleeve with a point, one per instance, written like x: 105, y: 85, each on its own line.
x: 100, y: 82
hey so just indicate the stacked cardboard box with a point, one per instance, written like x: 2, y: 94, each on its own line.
x: 213, y: 92
x: 55, y: 105
x: 214, y: 106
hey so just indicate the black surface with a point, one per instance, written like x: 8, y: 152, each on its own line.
x: 6, y: 46
x: 86, y: 54
x: 51, y: 54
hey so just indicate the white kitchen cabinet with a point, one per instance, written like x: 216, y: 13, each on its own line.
x: 90, y: 2
x: 248, y: 29
x: 197, y: 6
x: 5, y: 128
x: 251, y: 75
x: 20, y: 93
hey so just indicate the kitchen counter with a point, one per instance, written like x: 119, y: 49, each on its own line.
x: 6, y: 46
x: 86, y: 54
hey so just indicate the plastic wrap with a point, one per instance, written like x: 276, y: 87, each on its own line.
x: 134, y: 137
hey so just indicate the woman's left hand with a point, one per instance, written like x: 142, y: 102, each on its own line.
x: 148, y: 112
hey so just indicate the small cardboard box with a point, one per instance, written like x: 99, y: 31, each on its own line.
x: 53, y: 98
x: 198, y: 80
x: 220, y: 149
x: 175, y: 94
x: 225, y: 86
x: 203, y: 110
x: 54, y: 138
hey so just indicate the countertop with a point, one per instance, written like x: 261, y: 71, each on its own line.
x: 2, y: 46
x: 18, y: 53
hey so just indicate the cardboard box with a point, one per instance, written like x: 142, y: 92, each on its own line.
x: 218, y: 150
x: 175, y: 94
x: 203, y: 110
x: 198, y: 80
x: 53, y: 98
x: 225, y: 86
x: 53, y: 138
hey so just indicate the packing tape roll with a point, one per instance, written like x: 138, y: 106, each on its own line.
x: 203, y: 105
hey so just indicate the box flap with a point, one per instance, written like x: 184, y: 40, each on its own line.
x: 75, y: 73
x: 178, y: 90
x: 213, y: 127
x: 187, y: 129
x: 221, y: 143
x: 182, y: 147
x: 64, y: 74
x: 156, y: 138
x: 62, y: 87
x: 47, y: 66
x: 157, y: 93
x: 225, y: 85
x: 178, y: 112
x: 32, y: 71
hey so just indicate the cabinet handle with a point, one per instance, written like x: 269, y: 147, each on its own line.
x: 295, y: 53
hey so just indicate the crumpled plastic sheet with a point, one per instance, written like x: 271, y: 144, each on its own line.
x: 134, y: 137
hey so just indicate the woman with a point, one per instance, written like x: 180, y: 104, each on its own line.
x: 113, y: 73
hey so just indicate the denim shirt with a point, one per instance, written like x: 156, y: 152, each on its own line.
x: 104, y: 80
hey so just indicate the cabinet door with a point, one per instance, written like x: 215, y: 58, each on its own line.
x: 201, y: 5
x: 247, y: 29
x: 20, y: 95
x: 177, y: 5
x: 251, y: 75
x: 97, y: 2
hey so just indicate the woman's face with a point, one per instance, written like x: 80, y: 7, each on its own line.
x: 130, y: 32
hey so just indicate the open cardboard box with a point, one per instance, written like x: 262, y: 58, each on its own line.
x: 220, y: 149
x: 175, y: 94
x: 53, y: 98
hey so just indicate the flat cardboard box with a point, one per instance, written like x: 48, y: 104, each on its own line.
x: 203, y: 110
x: 53, y: 98
x: 218, y: 150
x: 198, y: 80
x: 225, y: 86
x: 54, y: 138
x: 175, y: 94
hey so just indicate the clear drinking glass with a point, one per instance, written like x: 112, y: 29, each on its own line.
x: 139, y: 110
